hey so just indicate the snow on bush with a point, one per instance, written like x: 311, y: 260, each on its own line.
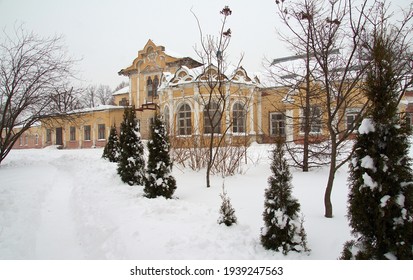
x: 366, y: 126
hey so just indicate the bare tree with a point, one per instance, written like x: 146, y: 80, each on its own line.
x: 326, y: 27
x: 297, y: 74
x: 104, y: 95
x: 214, y: 86
x: 95, y: 95
x: 89, y: 98
x: 338, y: 24
x: 121, y: 85
x: 296, y: 90
x: 66, y: 99
x: 343, y: 79
x: 32, y: 70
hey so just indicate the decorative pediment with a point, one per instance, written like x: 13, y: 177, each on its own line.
x: 211, y: 73
x: 241, y: 75
x: 183, y: 75
x: 151, y: 69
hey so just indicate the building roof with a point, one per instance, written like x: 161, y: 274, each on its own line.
x: 96, y: 109
x: 124, y: 90
x: 175, y: 59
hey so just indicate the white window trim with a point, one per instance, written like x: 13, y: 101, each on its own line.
x: 311, y: 132
x: 245, y: 118
x: 177, y: 127
x: 352, y: 111
x: 271, y: 127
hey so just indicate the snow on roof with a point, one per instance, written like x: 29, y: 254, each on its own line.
x: 94, y: 109
x: 292, y: 69
x: 124, y: 90
x: 36, y: 124
x: 174, y: 53
x: 185, y: 75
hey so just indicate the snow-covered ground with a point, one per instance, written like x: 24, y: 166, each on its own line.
x: 71, y: 204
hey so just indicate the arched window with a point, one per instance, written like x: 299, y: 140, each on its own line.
x: 166, y: 119
x: 238, y: 118
x: 212, y: 118
x: 155, y: 86
x: 184, y: 120
x: 149, y: 87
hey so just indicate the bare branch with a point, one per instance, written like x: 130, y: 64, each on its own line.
x: 32, y: 70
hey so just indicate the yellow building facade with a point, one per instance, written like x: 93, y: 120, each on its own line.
x: 179, y: 89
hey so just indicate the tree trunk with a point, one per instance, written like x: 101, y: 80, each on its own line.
x: 210, y: 156
x: 328, y: 206
x: 305, y: 149
x: 208, y: 172
x: 307, y: 110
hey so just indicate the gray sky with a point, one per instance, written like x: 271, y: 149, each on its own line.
x: 108, y: 34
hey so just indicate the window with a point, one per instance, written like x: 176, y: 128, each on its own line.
x: 314, y: 120
x: 212, y: 118
x: 101, y: 132
x: 26, y: 140
x: 351, y: 117
x: 21, y: 140
x: 155, y: 86
x: 36, y: 139
x: 238, y: 118
x: 72, y: 133
x: 87, y: 132
x: 48, y: 135
x: 277, y: 124
x: 124, y: 102
x: 184, y: 120
x: 149, y: 87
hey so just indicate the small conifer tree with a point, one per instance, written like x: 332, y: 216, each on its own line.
x: 111, y: 150
x: 227, y: 212
x: 381, y: 183
x: 158, y: 181
x: 131, y: 164
x: 283, y: 229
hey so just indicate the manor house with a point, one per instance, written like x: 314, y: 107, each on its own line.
x: 178, y: 88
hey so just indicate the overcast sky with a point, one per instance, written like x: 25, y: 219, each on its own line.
x: 107, y: 34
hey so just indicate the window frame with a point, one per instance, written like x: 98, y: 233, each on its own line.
x: 275, y: 124
x: 184, y: 120
x: 87, y: 129
x: 149, y: 88
x: 48, y: 135
x: 351, y: 113
x: 316, y: 121
x: 155, y: 84
x: 101, y: 131
x: 239, y: 119
x: 72, y: 132
x: 216, y: 119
